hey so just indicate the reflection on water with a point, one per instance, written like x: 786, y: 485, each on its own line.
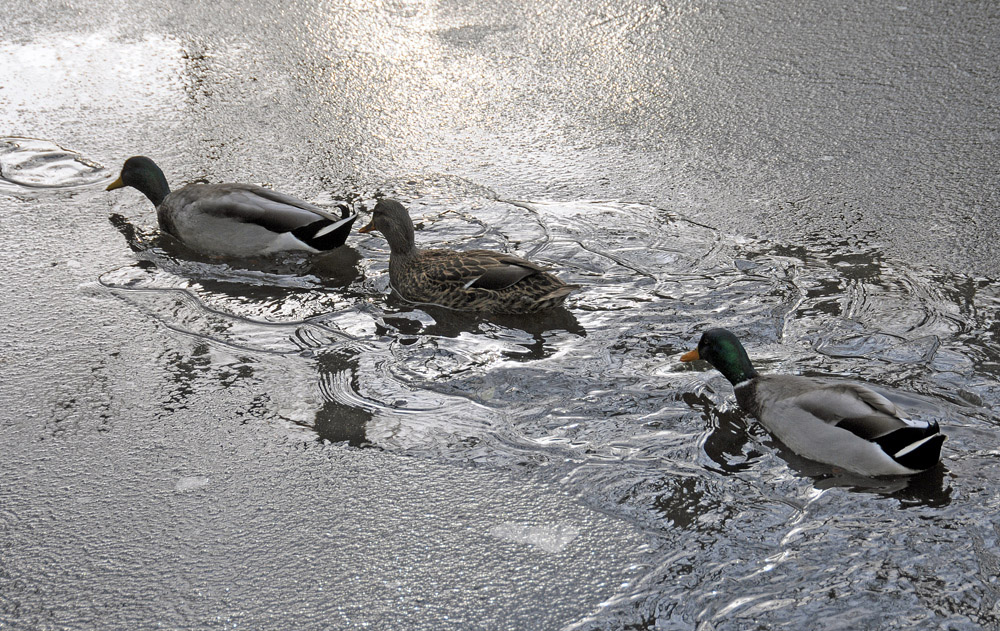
x: 593, y: 397
x: 341, y: 418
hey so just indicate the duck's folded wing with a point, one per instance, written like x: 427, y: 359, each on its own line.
x: 835, y: 402
x: 478, y: 269
x: 865, y: 445
x: 855, y: 408
x: 271, y: 210
x: 504, y: 271
x: 499, y: 277
x: 846, y: 424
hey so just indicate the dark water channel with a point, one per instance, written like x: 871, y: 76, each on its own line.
x: 837, y: 220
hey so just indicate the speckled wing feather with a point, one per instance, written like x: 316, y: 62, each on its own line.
x: 480, y: 269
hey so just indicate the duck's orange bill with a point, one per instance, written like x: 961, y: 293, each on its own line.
x: 116, y: 184
x: 690, y: 356
x: 369, y: 227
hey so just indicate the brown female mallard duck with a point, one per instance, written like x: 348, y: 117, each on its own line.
x: 473, y: 280
x: 238, y: 220
x: 843, y: 424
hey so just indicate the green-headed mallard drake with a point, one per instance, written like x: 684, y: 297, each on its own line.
x: 842, y: 424
x: 237, y: 220
x: 473, y: 280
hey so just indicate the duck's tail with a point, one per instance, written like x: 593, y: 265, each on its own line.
x: 326, y: 234
x: 914, y: 447
x: 554, y: 298
x: 560, y: 292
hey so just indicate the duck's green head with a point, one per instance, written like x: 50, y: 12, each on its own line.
x: 720, y: 348
x: 142, y: 173
x: 392, y: 219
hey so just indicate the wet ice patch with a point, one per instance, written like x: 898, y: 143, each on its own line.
x: 547, y: 537
x: 33, y: 163
x: 190, y: 483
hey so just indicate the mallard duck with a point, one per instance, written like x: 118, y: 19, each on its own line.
x: 473, y: 280
x: 842, y: 424
x: 238, y: 220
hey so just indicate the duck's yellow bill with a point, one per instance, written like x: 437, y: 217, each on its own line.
x: 369, y: 227
x: 690, y: 356
x: 116, y: 184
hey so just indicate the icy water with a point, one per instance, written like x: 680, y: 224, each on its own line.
x: 593, y: 397
x: 282, y: 443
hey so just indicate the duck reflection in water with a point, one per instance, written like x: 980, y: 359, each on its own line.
x: 337, y: 269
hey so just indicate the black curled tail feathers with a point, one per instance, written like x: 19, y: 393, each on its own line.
x: 325, y: 234
x: 916, y: 448
x: 345, y: 210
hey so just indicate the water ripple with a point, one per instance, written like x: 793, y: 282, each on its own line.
x: 30, y: 163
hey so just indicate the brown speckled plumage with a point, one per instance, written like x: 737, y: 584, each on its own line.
x: 474, y: 280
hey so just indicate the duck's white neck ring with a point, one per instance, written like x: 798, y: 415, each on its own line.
x: 743, y: 384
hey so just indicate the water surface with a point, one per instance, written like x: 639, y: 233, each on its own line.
x: 595, y: 399
x: 200, y: 442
